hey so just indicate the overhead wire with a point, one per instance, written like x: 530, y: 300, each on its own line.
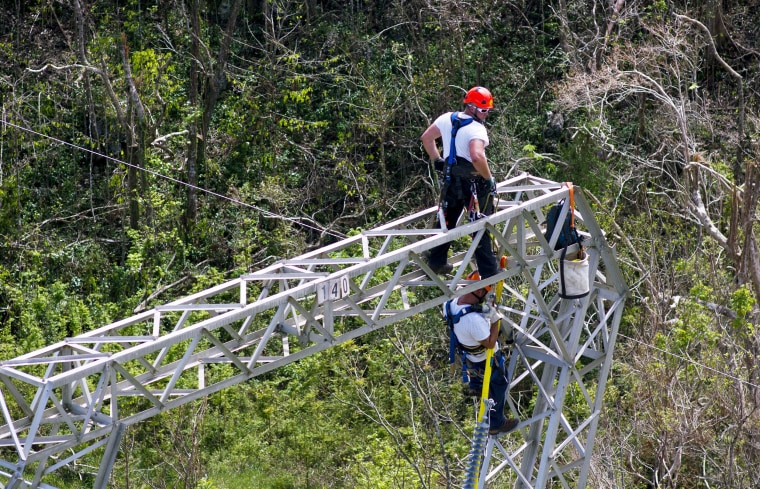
x: 693, y: 362
x: 264, y: 212
x: 273, y: 215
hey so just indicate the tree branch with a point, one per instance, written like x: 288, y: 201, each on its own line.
x: 739, y: 79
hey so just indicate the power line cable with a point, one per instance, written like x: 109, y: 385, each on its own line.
x: 264, y: 212
x: 689, y: 360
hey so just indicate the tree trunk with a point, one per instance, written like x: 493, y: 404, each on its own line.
x: 561, y: 12
x: 612, y: 20
x: 138, y: 122
x: 215, y: 81
x: 749, y: 267
x: 134, y: 205
x: 192, y: 149
x: 718, y: 60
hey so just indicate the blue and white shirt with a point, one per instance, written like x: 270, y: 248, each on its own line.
x: 471, y: 329
x: 465, y: 134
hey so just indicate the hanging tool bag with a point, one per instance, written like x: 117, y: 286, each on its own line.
x: 573, y: 274
x: 574, y: 281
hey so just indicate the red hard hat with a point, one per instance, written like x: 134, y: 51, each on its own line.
x: 476, y: 276
x: 480, y: 97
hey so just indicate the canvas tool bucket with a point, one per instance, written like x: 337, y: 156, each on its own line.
x: 573, y: 274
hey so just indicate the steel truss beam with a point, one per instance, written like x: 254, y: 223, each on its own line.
x: 66, y: 400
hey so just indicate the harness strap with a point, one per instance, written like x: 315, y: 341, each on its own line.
x: 473, y: 209
x: 453, y: 346
x: 454, y: 343
x: 456, y: 124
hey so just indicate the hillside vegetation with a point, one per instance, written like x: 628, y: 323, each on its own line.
x: 152, y: 148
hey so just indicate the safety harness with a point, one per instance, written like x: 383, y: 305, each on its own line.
x: 455, y: 346
x: 456, y: 124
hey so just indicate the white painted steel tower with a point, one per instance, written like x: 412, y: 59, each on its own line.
x: 64, y: 401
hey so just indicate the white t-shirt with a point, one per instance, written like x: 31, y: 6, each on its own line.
x: 473, y: 130
x: 471, y: 329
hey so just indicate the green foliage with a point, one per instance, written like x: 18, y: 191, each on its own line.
x: 583, y: 165
x: 275, y: 431
x: 742, y: 302
x: 315, y: 134
x: 9, y: 206
x: 658, y: 7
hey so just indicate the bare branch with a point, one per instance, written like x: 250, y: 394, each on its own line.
x: 711, y: 43
x: 74, y: 66
x: 165, y: 137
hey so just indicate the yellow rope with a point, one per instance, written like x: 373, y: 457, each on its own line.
x: 489, y: 352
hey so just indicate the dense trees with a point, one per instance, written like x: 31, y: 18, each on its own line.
x: 655, y: 103
x: 150, y: 147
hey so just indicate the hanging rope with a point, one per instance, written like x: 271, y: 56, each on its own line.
x: 480, y: 433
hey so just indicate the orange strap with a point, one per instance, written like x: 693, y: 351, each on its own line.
x: 571, y: 195
x: 570, y: 189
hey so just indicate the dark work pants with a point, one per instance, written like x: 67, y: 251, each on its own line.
x: 456, y: 200
x: 497, y: 386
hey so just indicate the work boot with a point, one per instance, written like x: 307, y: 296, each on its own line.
x: 507, y: 426
x: 442, y: 269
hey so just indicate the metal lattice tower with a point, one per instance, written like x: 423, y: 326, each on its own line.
x: 67, y: 400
